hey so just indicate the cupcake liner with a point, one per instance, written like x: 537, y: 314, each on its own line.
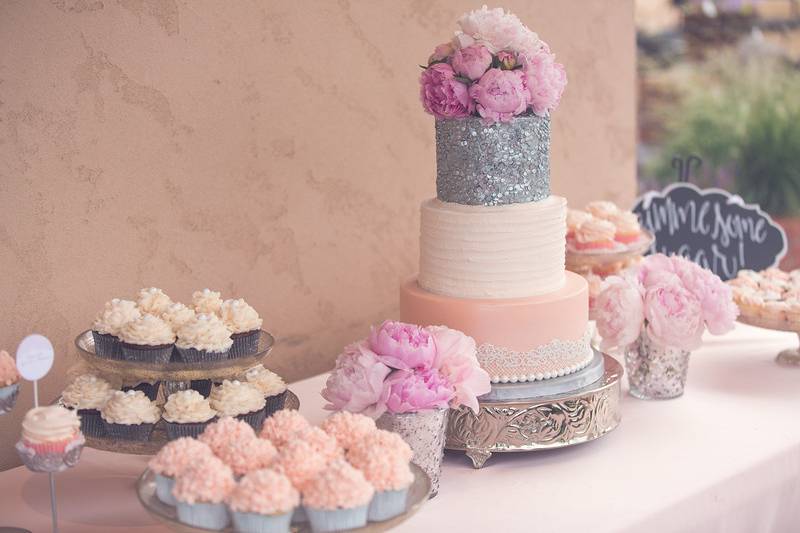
x: 192, y: 355
x: 8, y: 397
x: 261, y: 523
x: 275, y: 403
x: 146, y: 354
x: 138, y: 432
x: 51, y: 457
x: 149, y: 389
x: 176, y: 430
x: 387, y: 504
x: 164, y: 485
x: 107, y: 345
x: 245, y: 343
x: 337, y: 519
x: 203, y: 386
x: 208, y: 515
x: 299, y: 516
x: 91, y: 423
x: 255, y: 419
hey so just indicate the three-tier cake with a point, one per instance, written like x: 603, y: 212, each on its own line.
x: 492, y: 243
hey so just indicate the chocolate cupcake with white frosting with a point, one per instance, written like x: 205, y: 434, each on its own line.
x: 240, y: 400
x: 87, y: 395
x: 206, y: 301
x: 187, y: 413
x: 271, y: 386
x: 178, y: 314
x: 204, y: 338
x: 153, y: 301
x: 148, y: 338
x: 108, y: 324
x: 245, y: 325
x: 130, y: 416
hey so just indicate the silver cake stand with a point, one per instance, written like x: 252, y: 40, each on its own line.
x: 585, y: 261
x: 519, y: 417
x: 788, y: 357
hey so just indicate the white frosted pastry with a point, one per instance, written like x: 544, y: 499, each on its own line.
x: 233, y: 398
x: 148, y: 330
x: 239, y: 316
x: 188, y: 406
x: 87, y: 392
x: 154, y: 301
x: 115, y: 315
x: 206, y: 301
x: 268, y: 382
x: 205, y: 332
x: 576, y: 217
x: 131, y: 407
x: 177, y: 314
x: 602, y: 209
x: 50, y: 423
x: 596, y: 230
x: 507, y: 251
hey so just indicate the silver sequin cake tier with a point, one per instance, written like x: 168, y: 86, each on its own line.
x: 502, y: 163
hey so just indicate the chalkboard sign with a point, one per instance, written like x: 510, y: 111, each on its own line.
x: 711, y: 227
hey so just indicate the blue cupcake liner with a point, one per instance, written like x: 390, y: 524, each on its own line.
x: 387, y: 504
x: 164, y: 485
x: 137, y: 432
x: 323, y: 520
x: 107, y: 345
x: 208, y: 515
x: 260, y: 523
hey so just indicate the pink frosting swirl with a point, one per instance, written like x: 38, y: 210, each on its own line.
x: 281, y: 426
x: 339, y: 486
x: 385, y: 442
x: 321, y: 442
x: 265, y: 492
x: 207, y: 480
x: 348, y: 428
x: 225, y: 430
x: 385, y: 471
x: 300, y: 462
x: 8, y: 369
x: 177, y: 455
x: 247, y: 455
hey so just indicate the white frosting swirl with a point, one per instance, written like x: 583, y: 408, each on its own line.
x: 116, y: 314
x: 206, y: 301
x: 51, y: 423
x: 268, y: 382
x: 234, y: 398
x: 575, y: 218
x: 149, y: 330
x: 177, y: 314
x: 239, y: 316
x: 87, y: 392
x: 153, y: 301
x: 602, y: 209
x: 131, y: 407
x: 625, y: 222
x: 187, y: 406
x: 596, y: 230
x: 205, y: 332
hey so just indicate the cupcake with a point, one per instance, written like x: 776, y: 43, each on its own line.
x: 575, y: 218
x: 775, y: 311
x: 241, y: 400
x: 88, y: 394
x: 206, y: 301
x: 348, y: 428
x: 337, y: 498
x: 176, y: 315
x: 9, y: 382
x: 187, y: 413
x: 204, y: 338
x: 281, y: 427
x: 388, y: 472
x: 170, y: 462
x: 51, y: 439
x: 130, y: 415
x: 627, y: 226
x: 263, y: 501
x: 147, y: 339
x: 108, y: 324
x: 744, y: 281
x: 776, y: 274
x: 200, y: 492
x: 322, y: 443
x: 153, y: 301
x: 300, y: 462
x: 149, y: 388
x: 217, y: 435
x: 749, y: 301
x: 247, y: 455
x: 602, y: 209
x: 271, y: 386
x: 595, y: 234
x: 244, y: 323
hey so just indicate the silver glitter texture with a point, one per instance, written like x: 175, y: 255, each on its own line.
x: 502, y: 163
x: 655, y: 372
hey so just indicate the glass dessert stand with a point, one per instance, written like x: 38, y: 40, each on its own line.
x: 604, y: 262
x: 788, y: 357
x: 166, y: 514
x: 173, y: 376
x: 542, y: 415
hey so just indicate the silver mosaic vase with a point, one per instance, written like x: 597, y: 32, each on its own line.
x: 655, y: 372
x: 425, y: 432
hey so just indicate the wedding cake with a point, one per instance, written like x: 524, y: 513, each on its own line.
x: 492, y: 242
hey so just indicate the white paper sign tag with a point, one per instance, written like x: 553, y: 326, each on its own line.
x: 34, y: 357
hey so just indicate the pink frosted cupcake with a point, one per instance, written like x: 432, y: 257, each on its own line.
x: 389, y: 474
x: 321, y: 442
x: 200, y: 492
x: 51, y: 439
x: 627, y: 225
x: 337, y: 498
x: 170, y: 462
x: 281, y: 426
x: 263, y: 501
x: 9, y: 382
x: 225, y: 430
x: 300, y: 462
x: 348, y: 428
x: 247, y: 455
x: 576, y: 217
x: 602, y: 209
x: 386, y: 442
x: 595, y: 234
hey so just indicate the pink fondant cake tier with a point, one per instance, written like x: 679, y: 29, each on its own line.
x: 519, y: 339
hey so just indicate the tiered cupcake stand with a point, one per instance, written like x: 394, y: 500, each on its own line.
x: 788, y: 357
x: 174, y: 376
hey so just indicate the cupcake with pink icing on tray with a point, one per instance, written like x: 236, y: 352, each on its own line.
x: 171, y: 461
x: 263, y: 502
x: 337, y: 498
x: 201, y: 491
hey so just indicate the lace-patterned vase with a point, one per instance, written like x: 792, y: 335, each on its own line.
x: 425, y: 432
x: 655, y: 372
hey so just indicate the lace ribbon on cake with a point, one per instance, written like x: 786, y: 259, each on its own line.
x: 554, y: 359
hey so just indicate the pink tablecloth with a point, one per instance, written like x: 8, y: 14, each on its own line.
x: 723, y: 458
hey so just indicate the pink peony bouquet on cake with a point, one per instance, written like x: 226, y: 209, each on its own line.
x: 403, y: 368
x: 672, y: 298
x: 495, y: 67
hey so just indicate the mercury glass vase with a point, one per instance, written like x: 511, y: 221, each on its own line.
x: 424, y: 431
x: 655, y: 372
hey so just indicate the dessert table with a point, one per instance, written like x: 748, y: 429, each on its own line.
x: 724, y: 457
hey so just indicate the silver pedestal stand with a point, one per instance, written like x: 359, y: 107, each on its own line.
x: 540, y: 421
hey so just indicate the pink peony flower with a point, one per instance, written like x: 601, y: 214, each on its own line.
x: 716, y: 298
x: 674, y: 315
x: 544, y: 81
x: 497, y: 29
x: 442, y: 95
x: 409, y: 392
x: 471, y: 61
x: 402, y: 346
x: 619, y: 310
x: 654, y: 266
x: 441, y: 52
x: 457, y: 362
x: 500, y: 95
x: 507, y: 59
x: 357, y: 382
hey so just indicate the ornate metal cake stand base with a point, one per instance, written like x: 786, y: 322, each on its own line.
x: 543, y: 423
